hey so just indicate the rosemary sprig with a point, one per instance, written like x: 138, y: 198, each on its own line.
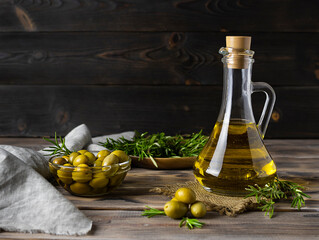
x: 191, y: 223
x: 159, y: 145
x: 58, y: 148
x: 151, y: 212
x: 275, y: 190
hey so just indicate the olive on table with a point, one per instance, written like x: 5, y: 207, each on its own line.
x: 103, y: 153
x: 185, y: 195
x: 65, y: 173
x: 121, y: 154
x: 72, y: 156
x: 175, y: 209
x: 59, y: 161
x: 80, y: 188
x: 82, y: 173
x: 82, y: 151
x: 198, y: 209
x: 81, y: 159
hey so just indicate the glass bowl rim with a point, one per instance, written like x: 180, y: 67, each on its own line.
x: 58, y: 166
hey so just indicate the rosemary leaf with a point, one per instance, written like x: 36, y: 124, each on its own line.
x: 275, y: 190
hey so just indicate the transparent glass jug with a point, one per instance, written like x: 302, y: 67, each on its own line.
x: 235, y: 155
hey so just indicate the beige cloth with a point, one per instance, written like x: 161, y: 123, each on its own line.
x: 229, y: 206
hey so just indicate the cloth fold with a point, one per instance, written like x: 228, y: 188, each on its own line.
x: 28, y: 202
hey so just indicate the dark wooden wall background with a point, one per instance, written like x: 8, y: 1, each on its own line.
x: 151, y: 65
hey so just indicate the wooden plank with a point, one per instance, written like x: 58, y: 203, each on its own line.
x: 118, y: 214
x: 130, y: 225
x: 42, y: 110
x: 157, y: 58
x: 180, y: 15
x: 134, y: 193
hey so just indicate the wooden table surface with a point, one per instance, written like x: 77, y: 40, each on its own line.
x: 118, y: 215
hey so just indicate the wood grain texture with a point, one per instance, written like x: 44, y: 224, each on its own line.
x: 40, y: 111
x: 165, y: 15
x: 117, y: 215
x: 157, y: 58
x: 130, y: 225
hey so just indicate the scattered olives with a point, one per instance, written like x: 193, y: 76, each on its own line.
x: 185, y: 195
x: 175, y: 209
x: 178, y: 206
x: 198, y: 209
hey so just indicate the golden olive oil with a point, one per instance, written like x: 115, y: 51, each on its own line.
x: 233, y: 158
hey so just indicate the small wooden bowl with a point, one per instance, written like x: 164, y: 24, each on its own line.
x: 164, y: 163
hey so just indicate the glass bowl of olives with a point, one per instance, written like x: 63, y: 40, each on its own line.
x: 84, y: 174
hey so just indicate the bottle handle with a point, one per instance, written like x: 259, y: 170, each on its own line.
x: 268, y: 106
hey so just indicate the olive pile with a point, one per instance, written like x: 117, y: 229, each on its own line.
x: 84, y: 174
x: 184, y: 200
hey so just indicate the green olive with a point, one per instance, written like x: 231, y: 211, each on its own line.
x: 185, y: 195
x: 81, y: 159
x: 110, y: 170
x: 198, y: 209
x: 117, y: 179
x: 175, y: 209
x: 80, y: 188
x: 73, y: 156
x: 82, y: 151
x: 65, y: 174
x: 110, y: 160
x: 121, y: 154
x: 59, y: 161
x: 91, y: 157
x: 103, y: 153
x: 99, y: 180
x: 97, y: 163
x: 82, y: 173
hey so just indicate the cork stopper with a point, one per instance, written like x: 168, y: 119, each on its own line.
x: 238, y: 42
x: 236, y: 59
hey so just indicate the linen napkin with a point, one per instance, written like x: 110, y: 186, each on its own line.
x: 28, y: 202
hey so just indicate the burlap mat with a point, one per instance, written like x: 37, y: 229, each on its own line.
x: 229, y: 206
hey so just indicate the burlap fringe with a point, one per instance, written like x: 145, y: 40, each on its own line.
x: 230, y: 206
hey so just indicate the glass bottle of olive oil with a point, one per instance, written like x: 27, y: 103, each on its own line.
x: 235, y: 155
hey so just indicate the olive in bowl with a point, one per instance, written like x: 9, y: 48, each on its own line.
x: 87, y: 175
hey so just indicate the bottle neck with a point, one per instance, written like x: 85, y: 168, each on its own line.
x: 236, y: 101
